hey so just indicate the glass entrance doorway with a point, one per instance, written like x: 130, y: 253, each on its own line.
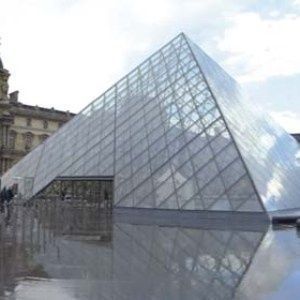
x: 82, y: 190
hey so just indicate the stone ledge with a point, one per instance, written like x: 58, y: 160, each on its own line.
x: 219, y: 220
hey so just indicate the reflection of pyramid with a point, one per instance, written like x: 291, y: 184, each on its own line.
x: 176, y: 134
x: 139, y: 261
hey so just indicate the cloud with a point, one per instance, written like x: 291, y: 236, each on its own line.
x: 289, y: 120
x: 296, y: 2
x: 64, y: 53
x: 260, y: 48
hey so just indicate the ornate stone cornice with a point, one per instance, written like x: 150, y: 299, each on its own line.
x: 39, y: 112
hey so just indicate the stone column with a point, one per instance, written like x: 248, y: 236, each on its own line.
x: 4, y: 75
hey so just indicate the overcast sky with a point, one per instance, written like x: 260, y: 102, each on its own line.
x: 65, y: 53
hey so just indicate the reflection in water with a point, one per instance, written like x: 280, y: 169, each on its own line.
x: 75, y: 251
x: 274, y: 272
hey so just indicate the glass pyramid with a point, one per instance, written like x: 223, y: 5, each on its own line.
x: 175, y: 133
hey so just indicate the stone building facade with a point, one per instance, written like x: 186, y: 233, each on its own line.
x: 22, y: 126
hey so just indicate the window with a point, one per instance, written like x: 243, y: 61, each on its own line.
x: 12, y: 139
x: 45, y: 124
x: 43, y: 137
x: 28, y: 139
x: 28, y: 121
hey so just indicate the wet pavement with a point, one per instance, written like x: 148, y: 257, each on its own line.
x: 62, y: 250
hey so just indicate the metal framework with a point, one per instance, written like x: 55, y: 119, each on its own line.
x: 175, y: 133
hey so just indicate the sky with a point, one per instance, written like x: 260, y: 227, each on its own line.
x: 65, y: 53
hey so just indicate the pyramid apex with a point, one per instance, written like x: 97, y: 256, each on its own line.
x: 183, y: 34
